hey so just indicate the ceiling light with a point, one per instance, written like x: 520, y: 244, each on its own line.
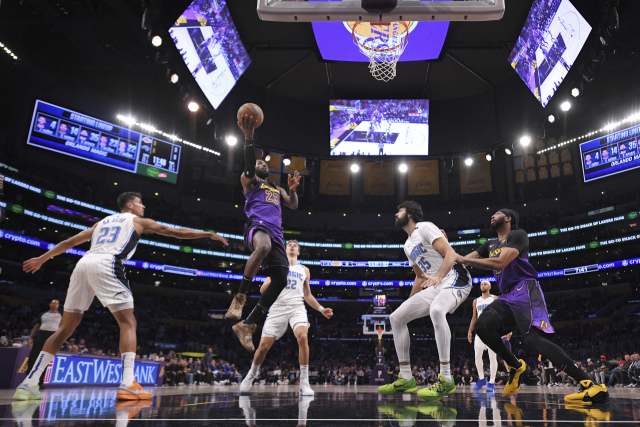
x: 172, y: 76
x: 565, y: 106
x: 286, y: 160
x: 231, y: 140
x: 193, y: 106
x: 468, y: 161
x: 156, y: 41
x: 488, y: 157
x: 525, y: 140
x: 354, y: 168
x: 403, y: 167
x: 575, y: 92
x: 508, y: 151
x: 551, y: 118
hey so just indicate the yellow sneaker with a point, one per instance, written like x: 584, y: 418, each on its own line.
x: 589, y: 393
x: 515, y: 378
x: 591, y: 414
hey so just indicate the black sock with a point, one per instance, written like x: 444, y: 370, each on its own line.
x: 489, y: 329
x: 536, y: 339
x: 245, y: 285
x: 257, y: 314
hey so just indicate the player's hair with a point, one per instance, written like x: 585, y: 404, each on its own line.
x: 515, y: 218
x: 413, y: 209
x: 127, y: 197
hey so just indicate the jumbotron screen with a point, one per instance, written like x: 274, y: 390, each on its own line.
x: 611, y: 154
x: 211, y: 47
x: 78, y: 135
x: 549, y: 43
x: 389, y: 127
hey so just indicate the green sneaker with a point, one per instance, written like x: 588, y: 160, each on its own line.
x: 399, y: 386
x: 24, y: 392
x: 437, y: 390
x: 438, y: 411
x: 402, y: 413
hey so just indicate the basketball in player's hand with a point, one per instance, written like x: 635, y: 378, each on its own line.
x: 252, y: 110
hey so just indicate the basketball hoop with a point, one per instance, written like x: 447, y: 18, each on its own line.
x: 382, y: 43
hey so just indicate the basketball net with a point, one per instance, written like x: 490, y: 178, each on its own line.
x: 380, y: 332
x: 382, y: 43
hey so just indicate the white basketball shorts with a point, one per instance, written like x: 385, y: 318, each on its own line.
x: 99, y: 276
x: 453, y: 289
x: 280, y: 316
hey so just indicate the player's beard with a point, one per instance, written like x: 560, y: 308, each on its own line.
x: 497, y: 224
x: 401, y: 222
x: 262, y: 174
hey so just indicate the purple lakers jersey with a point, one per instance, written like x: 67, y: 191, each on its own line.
x: 263, y: 204
x: 517, y: 270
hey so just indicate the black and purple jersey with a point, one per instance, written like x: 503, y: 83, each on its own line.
x: 263, y: 205
x: 517, y: 270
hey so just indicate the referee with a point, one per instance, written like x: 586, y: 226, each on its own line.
x: 48, y: 323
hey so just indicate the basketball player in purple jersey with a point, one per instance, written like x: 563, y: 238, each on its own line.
x: 262, y: 234
x: 521, y: 308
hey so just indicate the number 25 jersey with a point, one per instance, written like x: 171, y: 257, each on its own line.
x: 420, y: 251
x: 116, y: 236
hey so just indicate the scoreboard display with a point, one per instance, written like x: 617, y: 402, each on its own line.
x: 611, y: 154
x: 68, y: 132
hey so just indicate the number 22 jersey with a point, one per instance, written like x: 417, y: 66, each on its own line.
x: 420, y: 251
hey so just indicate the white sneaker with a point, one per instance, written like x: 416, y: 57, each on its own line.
x: 305, y: 389
x: 246, y: 383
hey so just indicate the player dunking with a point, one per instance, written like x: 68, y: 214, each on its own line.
x: 479, y: 305
x: 521, y: 308
x: 100, y: 273
x: 440, y: 287
x: 288, y: 310
x: 262, y: 234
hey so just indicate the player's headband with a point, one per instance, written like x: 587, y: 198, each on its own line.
x: 513, y: 215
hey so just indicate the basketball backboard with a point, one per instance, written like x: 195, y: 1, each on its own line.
x: 407, y: 10
x: 374, y: 322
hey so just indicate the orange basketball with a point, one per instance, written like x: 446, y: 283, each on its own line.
x: 252, y: 110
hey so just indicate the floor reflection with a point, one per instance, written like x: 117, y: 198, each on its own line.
x: 282, y: 406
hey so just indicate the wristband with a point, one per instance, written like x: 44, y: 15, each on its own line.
x: 320, y: 309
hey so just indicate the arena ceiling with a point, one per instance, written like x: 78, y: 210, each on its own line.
x: 100, y: 49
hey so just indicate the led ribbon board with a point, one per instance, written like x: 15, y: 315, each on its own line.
x: 68, y: 132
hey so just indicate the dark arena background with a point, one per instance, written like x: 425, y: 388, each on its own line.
x: 534, y: 107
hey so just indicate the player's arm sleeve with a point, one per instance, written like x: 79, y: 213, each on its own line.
x: 249, y: 158
x: 483, y: 250
x: 518, y: 240
x: 429, y: 232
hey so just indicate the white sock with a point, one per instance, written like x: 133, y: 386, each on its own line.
x: 254, y: 369
x: 304, y: 373
x: 42, y: 362
x: 128, y: 360
x: 445, y: 371
x: 405, y: 371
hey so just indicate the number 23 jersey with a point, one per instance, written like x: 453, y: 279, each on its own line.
x: 116, y: 236
x: 420, y: 251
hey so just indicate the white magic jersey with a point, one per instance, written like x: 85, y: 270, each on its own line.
x: 420, y: 251
x: 482, y: 303
x: 293, y: 293
x: 115, y: 235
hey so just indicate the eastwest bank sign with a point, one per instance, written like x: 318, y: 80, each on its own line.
x: 77, y: 370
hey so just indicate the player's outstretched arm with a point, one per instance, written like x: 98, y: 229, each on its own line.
x: 498, y: 264
x: 151, y: 226
x: 291, y: 200
x: 248, y: 178
x: 312, y: 301
x: 34, y: 264
x: 265, y: 285
x: 473, y: 321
